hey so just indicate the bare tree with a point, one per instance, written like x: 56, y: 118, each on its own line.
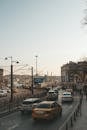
x: 84, y: 21
x: 85, y: 17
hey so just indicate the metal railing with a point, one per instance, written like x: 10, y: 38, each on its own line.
x: 72, y: 117
x: 6, y: 106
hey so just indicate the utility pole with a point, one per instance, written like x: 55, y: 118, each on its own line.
x: 6, y: 58
x: 36, y: 65
x: 32, y: 80
x: 11, y: 82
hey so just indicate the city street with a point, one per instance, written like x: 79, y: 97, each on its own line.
x: 43, y: 65
x: 17, y: 121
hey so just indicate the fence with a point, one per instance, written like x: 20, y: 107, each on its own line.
x: 72, y: 117
x: 6, y: 106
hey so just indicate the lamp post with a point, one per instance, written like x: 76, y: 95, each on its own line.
x: 32, y: 81
x: 36, y: 64
x: 6, y: 58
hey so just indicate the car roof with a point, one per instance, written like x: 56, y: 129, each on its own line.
x: 66, y: 92
x: 51, y: 90
x: 46, y: 102
x: 31, y: 99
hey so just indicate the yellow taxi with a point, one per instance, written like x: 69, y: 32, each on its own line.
x: 46, y: 110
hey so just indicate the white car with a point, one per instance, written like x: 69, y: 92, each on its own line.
x: 67, y: 97
x: 28, y: 104
x: 69, y: 90
x: 3, y: 93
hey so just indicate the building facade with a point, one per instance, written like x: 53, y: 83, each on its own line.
x: 74, y: 72
x: 1, y: 77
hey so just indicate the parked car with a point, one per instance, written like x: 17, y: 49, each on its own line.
x: 3, y: 93
x: 46, y: 110
x: 67, y: 97
x: 27, y: 104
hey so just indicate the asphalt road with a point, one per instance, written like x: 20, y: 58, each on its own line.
x: 17, y: 121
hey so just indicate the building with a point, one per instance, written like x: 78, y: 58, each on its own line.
x: 74, y: 72
x: 1, y: 77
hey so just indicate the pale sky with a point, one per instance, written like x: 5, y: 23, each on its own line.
x: 51, y: 29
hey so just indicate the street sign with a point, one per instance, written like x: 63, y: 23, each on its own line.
x: 38, y: 80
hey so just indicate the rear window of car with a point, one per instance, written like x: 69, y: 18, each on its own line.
x: 43, y: 106
x: 30, y: 102
x: 66, y: 94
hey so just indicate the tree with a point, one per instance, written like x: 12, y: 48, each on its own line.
x: 84, y: 21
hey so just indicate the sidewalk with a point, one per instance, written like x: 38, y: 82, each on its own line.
x: 81, y: 121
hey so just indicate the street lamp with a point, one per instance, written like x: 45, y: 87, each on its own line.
x: 32, y: 84
x: 6, y: 58
x: 36, y: 64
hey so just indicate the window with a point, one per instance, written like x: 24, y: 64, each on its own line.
x: 43, y: 106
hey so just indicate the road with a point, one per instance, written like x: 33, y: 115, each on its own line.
x: 17, y: 121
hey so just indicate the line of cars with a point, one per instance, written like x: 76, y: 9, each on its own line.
x: 47, y: 109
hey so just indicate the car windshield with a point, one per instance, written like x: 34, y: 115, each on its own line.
x: 66, y: 94
x: 44, y: 105
x: 30, y: 102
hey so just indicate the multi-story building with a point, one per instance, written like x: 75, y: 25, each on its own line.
x: 1, y: 77
x: 74, y: 72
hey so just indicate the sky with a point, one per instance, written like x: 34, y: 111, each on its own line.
x: 50, y: 29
